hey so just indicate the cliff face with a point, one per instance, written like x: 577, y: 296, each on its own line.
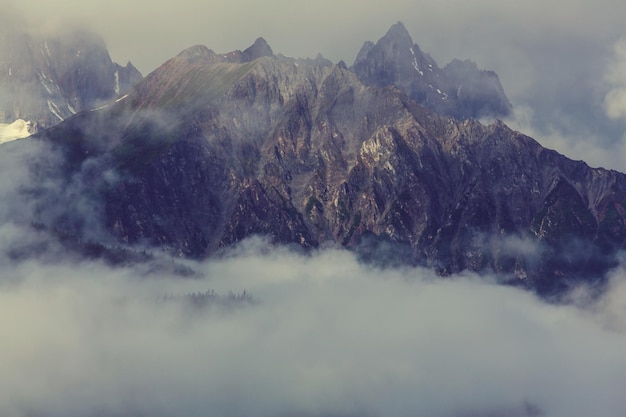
x: 46, y: 79
x: 210, y: 149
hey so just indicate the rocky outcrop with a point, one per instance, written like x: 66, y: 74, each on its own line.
x: 460, y: 89
x: 46, y: 79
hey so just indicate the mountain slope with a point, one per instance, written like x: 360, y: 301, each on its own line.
x: 208, y: 150
x: 459, y: 89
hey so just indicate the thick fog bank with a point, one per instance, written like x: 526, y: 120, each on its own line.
x: 323, y: 336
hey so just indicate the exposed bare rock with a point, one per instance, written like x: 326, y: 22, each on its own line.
x: 206, y: 152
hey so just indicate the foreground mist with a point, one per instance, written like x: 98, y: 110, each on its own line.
x: 321, y: 335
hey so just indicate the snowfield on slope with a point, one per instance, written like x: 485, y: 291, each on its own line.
x: 19, y: 129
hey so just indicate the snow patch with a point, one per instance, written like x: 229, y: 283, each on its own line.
x: 117, y: 83
x: 19, y: 129
x: 442, y: 94
x: 121, y: 98
x: 417, y: 68
x: 45, y: 52
x: 54, y: 109
x: 48, y: 84
x: 44, y: 83
x: 101, y: 107
x: 415, y: 65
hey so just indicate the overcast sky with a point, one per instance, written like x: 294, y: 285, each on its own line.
x: 496, y: 34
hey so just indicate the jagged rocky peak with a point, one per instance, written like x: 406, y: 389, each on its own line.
x: 126, y: 77
x: 466, y: 65
x: 198, y: 52
x: 258, y: 49
x: 80, y: 65
x: 393, y: 54
x: 46, y: 78
x: 399, y: 34
x: 321, y: 60
x: 396, y: 60
x: 364, y: 51
x: 477, y: 90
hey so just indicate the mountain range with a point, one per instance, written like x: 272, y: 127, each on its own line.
x: 385, y: 158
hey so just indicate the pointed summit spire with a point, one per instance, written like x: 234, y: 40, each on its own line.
x: 258, y: 49
x: 398, y: 33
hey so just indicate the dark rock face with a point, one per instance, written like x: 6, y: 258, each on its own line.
x: 205, y: 152
x: 460, y: 89
x: 48, y: 79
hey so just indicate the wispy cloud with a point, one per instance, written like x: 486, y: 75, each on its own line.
x: 615, y: 99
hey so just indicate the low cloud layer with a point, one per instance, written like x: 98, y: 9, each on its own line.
x: 325, y: 336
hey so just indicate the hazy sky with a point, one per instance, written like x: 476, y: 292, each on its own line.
x: 494, y: 33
